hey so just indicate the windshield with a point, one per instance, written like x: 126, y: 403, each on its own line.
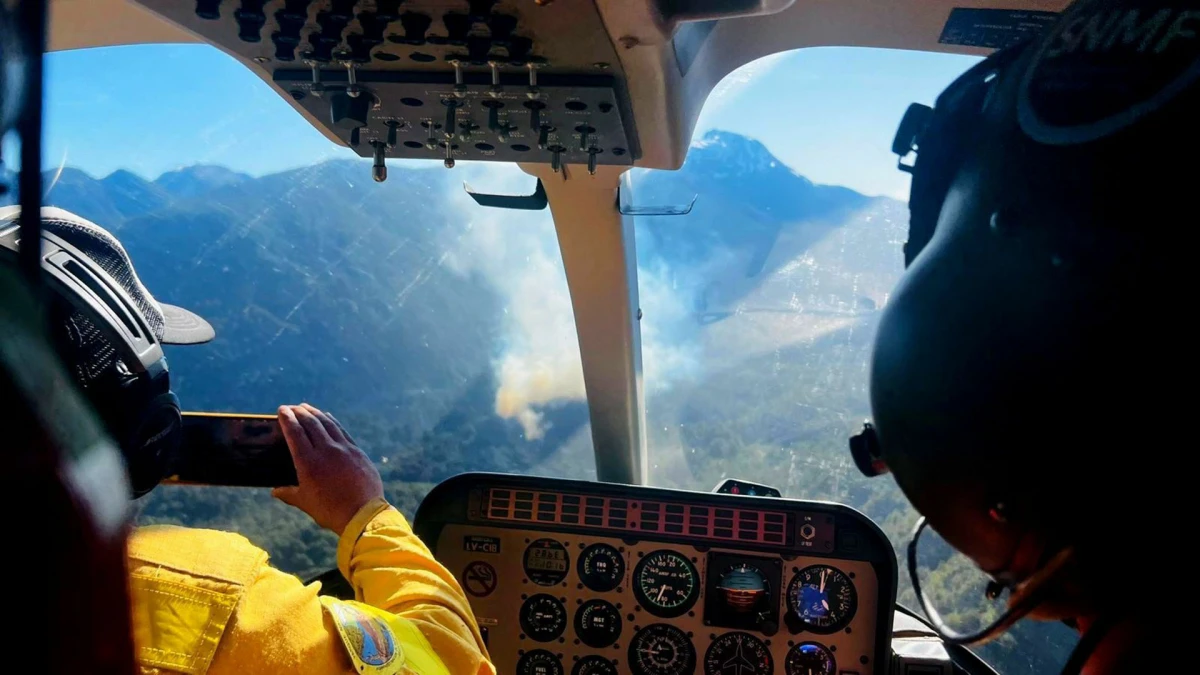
x: 760, y: 306
x: 441, y: 333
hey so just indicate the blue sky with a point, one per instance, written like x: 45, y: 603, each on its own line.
x: 828, y: 112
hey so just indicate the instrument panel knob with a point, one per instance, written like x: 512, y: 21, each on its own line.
x: 349, y: 112
x: 250, y: 19
x: 414, y: 25
x: 480, y: 10
x: 209, y: 10
x: 388, y: 10
x: 457, y: 27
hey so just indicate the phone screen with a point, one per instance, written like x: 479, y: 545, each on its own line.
x: 234, y: 450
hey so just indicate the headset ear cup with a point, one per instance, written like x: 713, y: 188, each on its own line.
x: 151, y: 448
x: 943, y: 142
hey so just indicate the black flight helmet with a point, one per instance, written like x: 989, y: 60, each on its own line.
x: 1028, y: 366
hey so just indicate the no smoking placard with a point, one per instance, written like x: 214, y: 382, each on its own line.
x: 479, y: 579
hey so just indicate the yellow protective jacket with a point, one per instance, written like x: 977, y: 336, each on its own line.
x: 208, y: 602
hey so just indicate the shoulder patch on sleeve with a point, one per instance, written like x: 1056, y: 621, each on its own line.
x: 369, y: 640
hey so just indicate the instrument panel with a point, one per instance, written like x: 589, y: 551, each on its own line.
x: 593, y: 578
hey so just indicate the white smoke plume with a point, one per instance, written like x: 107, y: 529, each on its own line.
x: 517, y: 253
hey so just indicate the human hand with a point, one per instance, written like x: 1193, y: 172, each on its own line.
x: 336, y: 478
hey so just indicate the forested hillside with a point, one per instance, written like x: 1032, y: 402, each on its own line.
x: 441, y: 334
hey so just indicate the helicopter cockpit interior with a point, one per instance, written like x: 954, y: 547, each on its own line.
x: 566, y: 485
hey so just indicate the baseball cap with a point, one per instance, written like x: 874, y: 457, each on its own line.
x: 171, y: 324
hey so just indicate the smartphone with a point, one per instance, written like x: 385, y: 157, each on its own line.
x: 233, y: 449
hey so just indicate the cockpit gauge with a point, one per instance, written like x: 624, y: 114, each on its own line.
x: 809, y: 658
x: 743, y: 588
x: 539, y: 662
x: 543, y: 617
x: 666, y: 583
x: 822, y: 598
x: 546, y: 562
x: 594, y: 665
x: 743, y: 592
x: 738, y: 654
x: 661, y: 649
x: 601, y: 567
x: 597, y: 623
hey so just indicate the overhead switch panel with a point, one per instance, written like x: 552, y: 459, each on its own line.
x: 508, y: 80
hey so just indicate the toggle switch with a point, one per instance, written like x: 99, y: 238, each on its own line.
x: 493, y: 108
x: 503, y: 130
x: 393, y: 127
x: 465, y: 129
x: 496, y: 89
x: 431, y: 143
x: 592, y: 152
x: 352, y: 87
x: 533, y: 92
x: 378, y: 167
x: 556, y: 152
x: 585, y: 135
x: 460, y: 89
x: 451, y: 113
x: 535, y: 114
x: 317, y: 87
x: 544, y: 136
x: 450, y: 148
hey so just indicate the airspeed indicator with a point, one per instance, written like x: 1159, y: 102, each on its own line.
x: 666, y: 583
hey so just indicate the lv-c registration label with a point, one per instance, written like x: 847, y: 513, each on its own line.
x: 473, y: 543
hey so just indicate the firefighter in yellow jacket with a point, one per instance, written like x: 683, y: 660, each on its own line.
x: 207, y: 601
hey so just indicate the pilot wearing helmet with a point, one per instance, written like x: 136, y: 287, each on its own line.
x: 1023, y: 369
x: 208, y: 602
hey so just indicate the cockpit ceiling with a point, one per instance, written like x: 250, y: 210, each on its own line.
x: 666, y: 71
x: 76, y: 24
